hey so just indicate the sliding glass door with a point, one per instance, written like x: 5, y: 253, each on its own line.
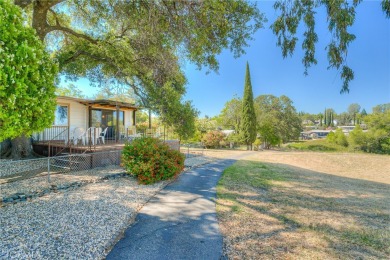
x: 107, y: 118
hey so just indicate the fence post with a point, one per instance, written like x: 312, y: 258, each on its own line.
x: 48, y: 169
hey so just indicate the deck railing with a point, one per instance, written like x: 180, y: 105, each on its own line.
x: 57, y: 133
x: 61, y: 139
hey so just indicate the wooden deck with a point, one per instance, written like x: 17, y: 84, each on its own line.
x: 59, y: 147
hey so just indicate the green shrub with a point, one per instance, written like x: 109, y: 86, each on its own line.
x: 224, y: 143
x: 331, y: 138
x: 357, y: 139
x: 256, y: 144
x: 151, y: 160
x: 320, y: 145
x: 212, y: 139
x: 378, y: 141
x: 340, y: 137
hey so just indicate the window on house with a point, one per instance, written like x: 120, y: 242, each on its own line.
x: 61, y: 115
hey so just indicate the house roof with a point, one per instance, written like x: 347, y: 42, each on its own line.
x: 102, y: 103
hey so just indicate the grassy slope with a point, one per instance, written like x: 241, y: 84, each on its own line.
x: 268, y: 210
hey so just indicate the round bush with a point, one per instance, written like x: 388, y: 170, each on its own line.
x: 151, y: 160
x: 212, y: 139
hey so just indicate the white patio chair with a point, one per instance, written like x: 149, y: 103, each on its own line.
x: 79, y: 135
x: 102, y: 135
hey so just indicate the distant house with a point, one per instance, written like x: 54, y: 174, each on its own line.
x: 315, y: 134
x: 308, y: 122
x: 228, y: 132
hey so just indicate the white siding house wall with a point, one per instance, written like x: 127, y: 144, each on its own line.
x: 128, y: 118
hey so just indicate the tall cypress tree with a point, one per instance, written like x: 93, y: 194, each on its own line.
x: 331, y: 119
x: 325, y: 119
x: 248, y: 116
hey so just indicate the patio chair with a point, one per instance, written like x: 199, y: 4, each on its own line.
x: 79, y: 135
x: 102, y: 135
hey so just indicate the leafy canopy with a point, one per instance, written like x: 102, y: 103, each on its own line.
x: 277, y: 119
x: 230, y: 116
x: 27, y: 75
x: 70, y: 90
x: 340, y: 18
x: 141, y: 43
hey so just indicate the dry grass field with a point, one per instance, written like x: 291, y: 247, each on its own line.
x: 305, y: 205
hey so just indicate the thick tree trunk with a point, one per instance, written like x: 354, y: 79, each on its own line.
x: 5, y: 149
x: 21, y: 147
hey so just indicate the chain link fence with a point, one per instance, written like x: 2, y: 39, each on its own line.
x: 192, y: 149
x: 23, y: 169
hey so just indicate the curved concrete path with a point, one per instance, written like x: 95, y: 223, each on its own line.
x: 180, y: 222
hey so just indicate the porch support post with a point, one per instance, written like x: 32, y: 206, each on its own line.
x: 91, y: 136
x: 89, y: 116
x: 150, y: 119
x: 117, y: 125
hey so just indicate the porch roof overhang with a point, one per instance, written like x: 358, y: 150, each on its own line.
x: 103, y: 103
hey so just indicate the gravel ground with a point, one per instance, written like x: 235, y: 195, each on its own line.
x: 76, y: 224
x: 40, y: 183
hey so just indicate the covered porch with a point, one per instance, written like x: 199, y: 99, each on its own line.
x: 82, y: 124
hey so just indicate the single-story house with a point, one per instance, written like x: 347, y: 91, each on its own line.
x: 314, y: 134
x: 74, y: 117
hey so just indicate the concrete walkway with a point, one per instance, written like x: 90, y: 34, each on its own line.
x: 179, y: 222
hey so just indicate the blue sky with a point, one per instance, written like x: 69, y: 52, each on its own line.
x: 369, y: 57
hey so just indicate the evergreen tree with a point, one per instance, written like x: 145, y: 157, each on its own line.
x: 331, y: 119
x: 325, y: 118
x: 363, y: 113
x: 248, y: 121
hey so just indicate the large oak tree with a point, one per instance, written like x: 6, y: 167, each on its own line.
x: 141, y: 44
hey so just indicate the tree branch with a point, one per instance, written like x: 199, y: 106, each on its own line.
x: 22, y: 3
x: 59, y: 27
